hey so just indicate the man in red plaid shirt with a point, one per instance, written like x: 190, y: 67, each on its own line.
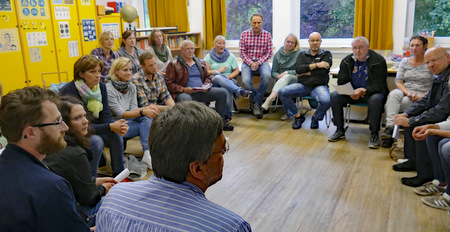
x: 255, y: 46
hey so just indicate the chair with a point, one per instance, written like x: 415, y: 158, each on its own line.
x: 304, y: 111
x: 347, y: 114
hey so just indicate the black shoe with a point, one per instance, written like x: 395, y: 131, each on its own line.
x: 338, y: 135
x: 298, y: 121
x: 405, y: 167
x: 415, y: 181
x: 227, y: 127
x: 314, y: 123
x: 387, y: 134
x: 387, y: 143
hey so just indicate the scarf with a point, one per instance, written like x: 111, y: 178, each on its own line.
x: 219, y: 58
x: 163, y: 55
x: 91, y: 97
x: 121, y: 86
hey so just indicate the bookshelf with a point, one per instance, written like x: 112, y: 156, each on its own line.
x: 173, y: 41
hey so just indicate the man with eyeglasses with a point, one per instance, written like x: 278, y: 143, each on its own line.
x: 32, y: 198
x: 187, y: 147
x: 434, y: 107
x: 366, y: 71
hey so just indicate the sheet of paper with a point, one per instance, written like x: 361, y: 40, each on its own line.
x: 346, y: 89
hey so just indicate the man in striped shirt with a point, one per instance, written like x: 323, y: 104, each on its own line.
x: 255, y: 46
x: 187, y: 147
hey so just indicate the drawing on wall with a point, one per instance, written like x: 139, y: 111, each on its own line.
x: 86, y: 2
x: 64, y: 31
x: 113, y: 28
x: 32, y: 9
x: 73, y: 48
x: 89, y: 33
x: 35, y: 55
x: 35, y: 39
x: 9, y: 40
x: 5, y: 5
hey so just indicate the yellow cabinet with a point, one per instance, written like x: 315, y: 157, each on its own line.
x: 88, y: 26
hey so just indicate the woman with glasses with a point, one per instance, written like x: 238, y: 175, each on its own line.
x: 87, y: 87
x: 72, y: 163
x: 122, y: 97
x: 283, y: 67
x: 413, y: 81
x: 129, y: 50
x: 105, y: 53
x: 159, y: 50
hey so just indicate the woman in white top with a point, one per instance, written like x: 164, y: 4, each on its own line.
x: 159, y: 50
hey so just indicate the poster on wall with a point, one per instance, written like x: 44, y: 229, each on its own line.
x: 89, y: 33
x: 62, y: 12
x: 64, y: 32
x: 57, y: 2
x: 33, y: 9
x: 73, y: 48
x: 86, y: 2
x: 68, y: 2
x: 35, y: 55
x: 5, y: 6
x: 113, y: 28
x: 9, y: 40
x: 35, y: 39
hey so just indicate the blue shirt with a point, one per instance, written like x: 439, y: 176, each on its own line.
x: 160, y: 205
x: 195, y: 77
x: 360, y: 74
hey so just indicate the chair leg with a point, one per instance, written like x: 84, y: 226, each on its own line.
x: 235, y: 106
x: 328, y: 118
x: 347, y: 117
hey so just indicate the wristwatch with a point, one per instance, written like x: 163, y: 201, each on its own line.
x: 141, y: 112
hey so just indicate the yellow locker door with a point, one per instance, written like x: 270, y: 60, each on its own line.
x: 67, y: 36
x: 11, y: 58
x: 36, y: 34
x: 87, y: 25
x: 111, y: 23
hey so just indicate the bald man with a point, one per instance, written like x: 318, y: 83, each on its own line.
x: 434, y: 107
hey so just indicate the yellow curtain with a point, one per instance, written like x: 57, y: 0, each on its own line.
x: 169, y: 14
x: 373, y: 20
x: 214, y: 21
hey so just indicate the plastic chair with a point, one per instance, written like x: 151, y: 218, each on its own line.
x: 304, y: 111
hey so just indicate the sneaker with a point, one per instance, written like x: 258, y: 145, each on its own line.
x: 267, y: 103
x: 387, y: 143
x: 437, y: 201
x: 374, y: 142
x: 146, y: 159
x: 405, y: 166
x: 256, y: 109
x: 284, y: 117
x: 227, y: 127
x: 387, y: 134
x: 314, y: 123
x: 429, y: 189
x: 245, y: 93
x: 338, y: 135
x: 298, y: 121
x: 415, y: 181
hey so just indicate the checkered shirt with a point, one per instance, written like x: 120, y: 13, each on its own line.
x: 255, y: 47
x: 150, y: 91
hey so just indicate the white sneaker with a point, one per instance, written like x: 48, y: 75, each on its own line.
x: 284, y: 117
x: 267, y: 103
x: 401, y: 160
x: 147, y: 159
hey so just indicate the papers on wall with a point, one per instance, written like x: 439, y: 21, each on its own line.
x: 64, y: 31
x: 62, y: 12
x: 112, y: 27
x: 35, y: 55
x: 73, y: 48
x: 35, y: 39
x: 89, y: 33
x: 9, y: 40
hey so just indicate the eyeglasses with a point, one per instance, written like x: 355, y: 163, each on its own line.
x: 290, y: 42
x: 58, y: 124
x: 225, y: 149
x: 434, y: 60
x: 359, y: 48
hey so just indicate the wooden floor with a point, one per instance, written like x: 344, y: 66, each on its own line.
x: 279, y: 179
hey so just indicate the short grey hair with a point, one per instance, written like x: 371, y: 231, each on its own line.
x: 359, y: 38
x: 219, y: 37
x: 180, y: 135
x: 186, y: 41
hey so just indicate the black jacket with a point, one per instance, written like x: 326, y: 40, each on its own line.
x: 434, y: 107
x: 319, y: 76
x: 376, y: 81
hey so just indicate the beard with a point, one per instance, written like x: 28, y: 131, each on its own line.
x: 49, y: 145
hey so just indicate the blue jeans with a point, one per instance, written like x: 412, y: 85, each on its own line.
x: 115, y: 143
x: 320, y: 93
x: 222, y: 81
x: 91, y: 212
x: 265, y: 72
x: 219, y: 95
x: 139, y: 126
x: 444, y: 154
x: 375, y: 104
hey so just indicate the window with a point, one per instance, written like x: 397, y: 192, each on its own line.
x: 331, y: 18
x: 432, y: 15
x: 239, y: 13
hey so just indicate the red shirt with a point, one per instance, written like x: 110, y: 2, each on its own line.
x: 255, y: 47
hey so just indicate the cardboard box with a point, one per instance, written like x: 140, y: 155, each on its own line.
x: 100, y: 10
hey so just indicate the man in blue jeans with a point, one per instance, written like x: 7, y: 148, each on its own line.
x: 255, y: 46
x: 366, y: 71
x: 312, y: 69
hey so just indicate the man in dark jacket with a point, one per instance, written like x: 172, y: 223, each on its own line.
x: 187, y: 79
x: 434, y: 107
x: 366, y: 70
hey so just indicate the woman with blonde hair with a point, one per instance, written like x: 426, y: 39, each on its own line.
x: 283, y: 67
x: 129, y: 50
x: 122, y: 97
x: 105, y: 53
x: 159, y: 50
